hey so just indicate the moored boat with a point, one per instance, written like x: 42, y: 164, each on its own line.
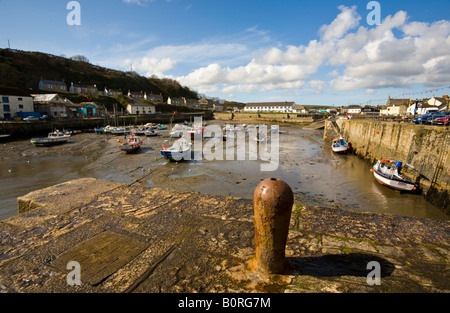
x: 140, y: 131
x: 120, y: 131
x: 161, y: 127
x: 54, y: 138
x: 130, y: 145
x: 339, y: 145
x: 387, y: 173
x: 150, y: 132
x: 181, y: 149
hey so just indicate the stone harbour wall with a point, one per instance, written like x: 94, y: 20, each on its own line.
x: 426, y: 148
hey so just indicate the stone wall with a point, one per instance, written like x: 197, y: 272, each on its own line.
x: 423, y: 147
x: 35, y: 128
x: 268, y: 117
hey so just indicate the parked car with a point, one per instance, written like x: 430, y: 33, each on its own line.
x: 437, y: 115
x: 418, y: 119
x: 424, y: 118
x: 31, y: 118
x: 442, y: 120
x: 46, y: 118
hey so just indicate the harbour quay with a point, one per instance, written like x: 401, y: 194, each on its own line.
x: 143, y: 239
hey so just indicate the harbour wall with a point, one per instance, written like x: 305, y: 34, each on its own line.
x: 34, y: 128
x: 268, y: 117
x: 426, y: 148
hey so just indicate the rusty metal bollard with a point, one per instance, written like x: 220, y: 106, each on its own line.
x: 272, y: 201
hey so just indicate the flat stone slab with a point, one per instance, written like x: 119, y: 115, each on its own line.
x: 100, y: 256
x: 141, y: 239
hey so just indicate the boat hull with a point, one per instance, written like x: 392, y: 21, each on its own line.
x: 393, y: 183
x: 342, y: 149
x: 176, y: 155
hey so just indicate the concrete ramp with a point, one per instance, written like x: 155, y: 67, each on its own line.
x: 316, y: 125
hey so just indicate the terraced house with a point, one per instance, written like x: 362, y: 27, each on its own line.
x: 275, y: 107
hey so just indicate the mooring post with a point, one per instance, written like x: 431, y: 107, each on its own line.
x: 272, y: 201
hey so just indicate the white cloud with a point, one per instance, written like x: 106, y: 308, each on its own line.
x: 396, y: 53
x: 151, y: 66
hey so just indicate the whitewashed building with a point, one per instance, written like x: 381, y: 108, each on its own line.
x: 267, y: 107
x: 136, y: 107
x: 13, y: 101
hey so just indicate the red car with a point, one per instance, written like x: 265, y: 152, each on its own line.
x: 442, y: 120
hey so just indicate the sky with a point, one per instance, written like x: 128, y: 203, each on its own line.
x: 311, y: 52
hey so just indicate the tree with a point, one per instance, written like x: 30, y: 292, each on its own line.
x: 80, y: 57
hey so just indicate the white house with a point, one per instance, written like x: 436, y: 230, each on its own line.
x: 421, y: 108
x: 441, y: 103
x: 136, y: 107
x: 13, y: 101
x: 299, y: 109
x: 275, y: 107
x: 354, y: 109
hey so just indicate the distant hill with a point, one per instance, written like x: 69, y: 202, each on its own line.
x: 24, y: 69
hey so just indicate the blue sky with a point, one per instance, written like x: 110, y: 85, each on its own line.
x: 310, y: 52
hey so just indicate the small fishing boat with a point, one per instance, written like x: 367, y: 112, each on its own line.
x: 181, y: 149
x: 196, y: 132
x: 161, y: 127
x: 386, y: 172
x: 4, y: 136
x: 54, y: 138
x: 130, y: 145
x: 178, y: 130
x: 99, y: 130
x: 140, y: 131
x: 340, y: 145
x: 120, y: 131
x: 150, y: 132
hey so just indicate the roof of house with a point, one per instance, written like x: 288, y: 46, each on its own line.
x: 270, y: 104
x: 46, y: 98
x: 135, y: 102
x: 53, y: 82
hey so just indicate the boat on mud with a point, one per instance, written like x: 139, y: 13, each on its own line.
x: 387, y: 173
x: 340, y: 145
x: 54, y: 138
x: 181, y: 149
x: 130, y: 145
x: 150, y: 132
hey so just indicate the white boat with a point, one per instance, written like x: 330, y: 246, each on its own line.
x: 54, y: 138
x: 339, y: 145
x: 179, y: 150
x: 120, y: 131
x: 130, y: 145
x: 150, y: 132
x: 178, y: 130
x: 386, y: 172
x: 140, y: 131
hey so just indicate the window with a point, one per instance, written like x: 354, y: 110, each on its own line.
x: 6, y: 108
x: 20, y: 106
x: 5, y: 99
x: 19, y: 99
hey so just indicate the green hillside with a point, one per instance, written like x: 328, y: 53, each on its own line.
x: 23, y: 69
